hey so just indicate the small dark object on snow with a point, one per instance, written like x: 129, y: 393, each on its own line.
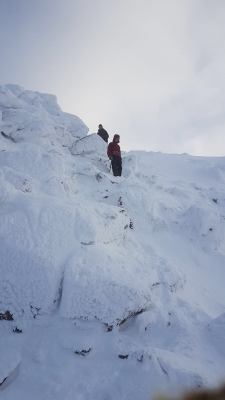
x: 210, y: 229
x: 7, y: 316
x: 140, y: 359
x: 109, y: 327
x: 105, y: 197
x: 120, y: 203
x: 82, y: 352
x: 131, y: 226
x: 156, y: 284
x: 17, y: 330
x: 123, y: 357
x: 215, y: 201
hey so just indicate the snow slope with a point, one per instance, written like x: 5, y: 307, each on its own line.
x: 111, y: 287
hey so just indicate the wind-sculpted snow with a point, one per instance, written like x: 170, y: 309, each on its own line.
x: 37, y: 235
x: 110, y: 287
x: 30, y: 116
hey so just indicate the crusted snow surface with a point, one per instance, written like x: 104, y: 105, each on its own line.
x: 89, y: 145
x: 105, y: 286
x: 111, y: 287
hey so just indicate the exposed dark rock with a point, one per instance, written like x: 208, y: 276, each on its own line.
x: 17, y: 330
x: 123, y: 356
x: 109, y: 328
x: 82, y: 352
x: 215, y: 201
x: 7, y: 316
x: 131, y: 226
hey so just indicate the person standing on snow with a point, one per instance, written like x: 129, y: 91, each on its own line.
x: 115, y: 156
x: 103, y: 133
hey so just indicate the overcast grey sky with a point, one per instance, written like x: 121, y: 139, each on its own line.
x: 152, y: 71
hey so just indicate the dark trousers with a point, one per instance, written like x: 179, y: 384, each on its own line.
x: 117, y: 165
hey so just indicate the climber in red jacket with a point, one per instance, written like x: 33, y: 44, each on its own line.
x: 115, y: 156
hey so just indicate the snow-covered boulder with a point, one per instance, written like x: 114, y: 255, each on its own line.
x: 27, y: 116
x: 75, y: 127
x: 9, y: 100
x: 104, y: 285
x: 90, y: 144
x: 205, y: 224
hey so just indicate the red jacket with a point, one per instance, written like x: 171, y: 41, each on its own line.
x: 113, y: 149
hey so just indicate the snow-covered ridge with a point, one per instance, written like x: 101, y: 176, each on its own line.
x: 33, y: 116
x: 127, y: 272
x: 43, y: 218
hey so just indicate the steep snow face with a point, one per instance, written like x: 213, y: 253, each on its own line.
x: 42, y: 234
x: 111, y: 287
